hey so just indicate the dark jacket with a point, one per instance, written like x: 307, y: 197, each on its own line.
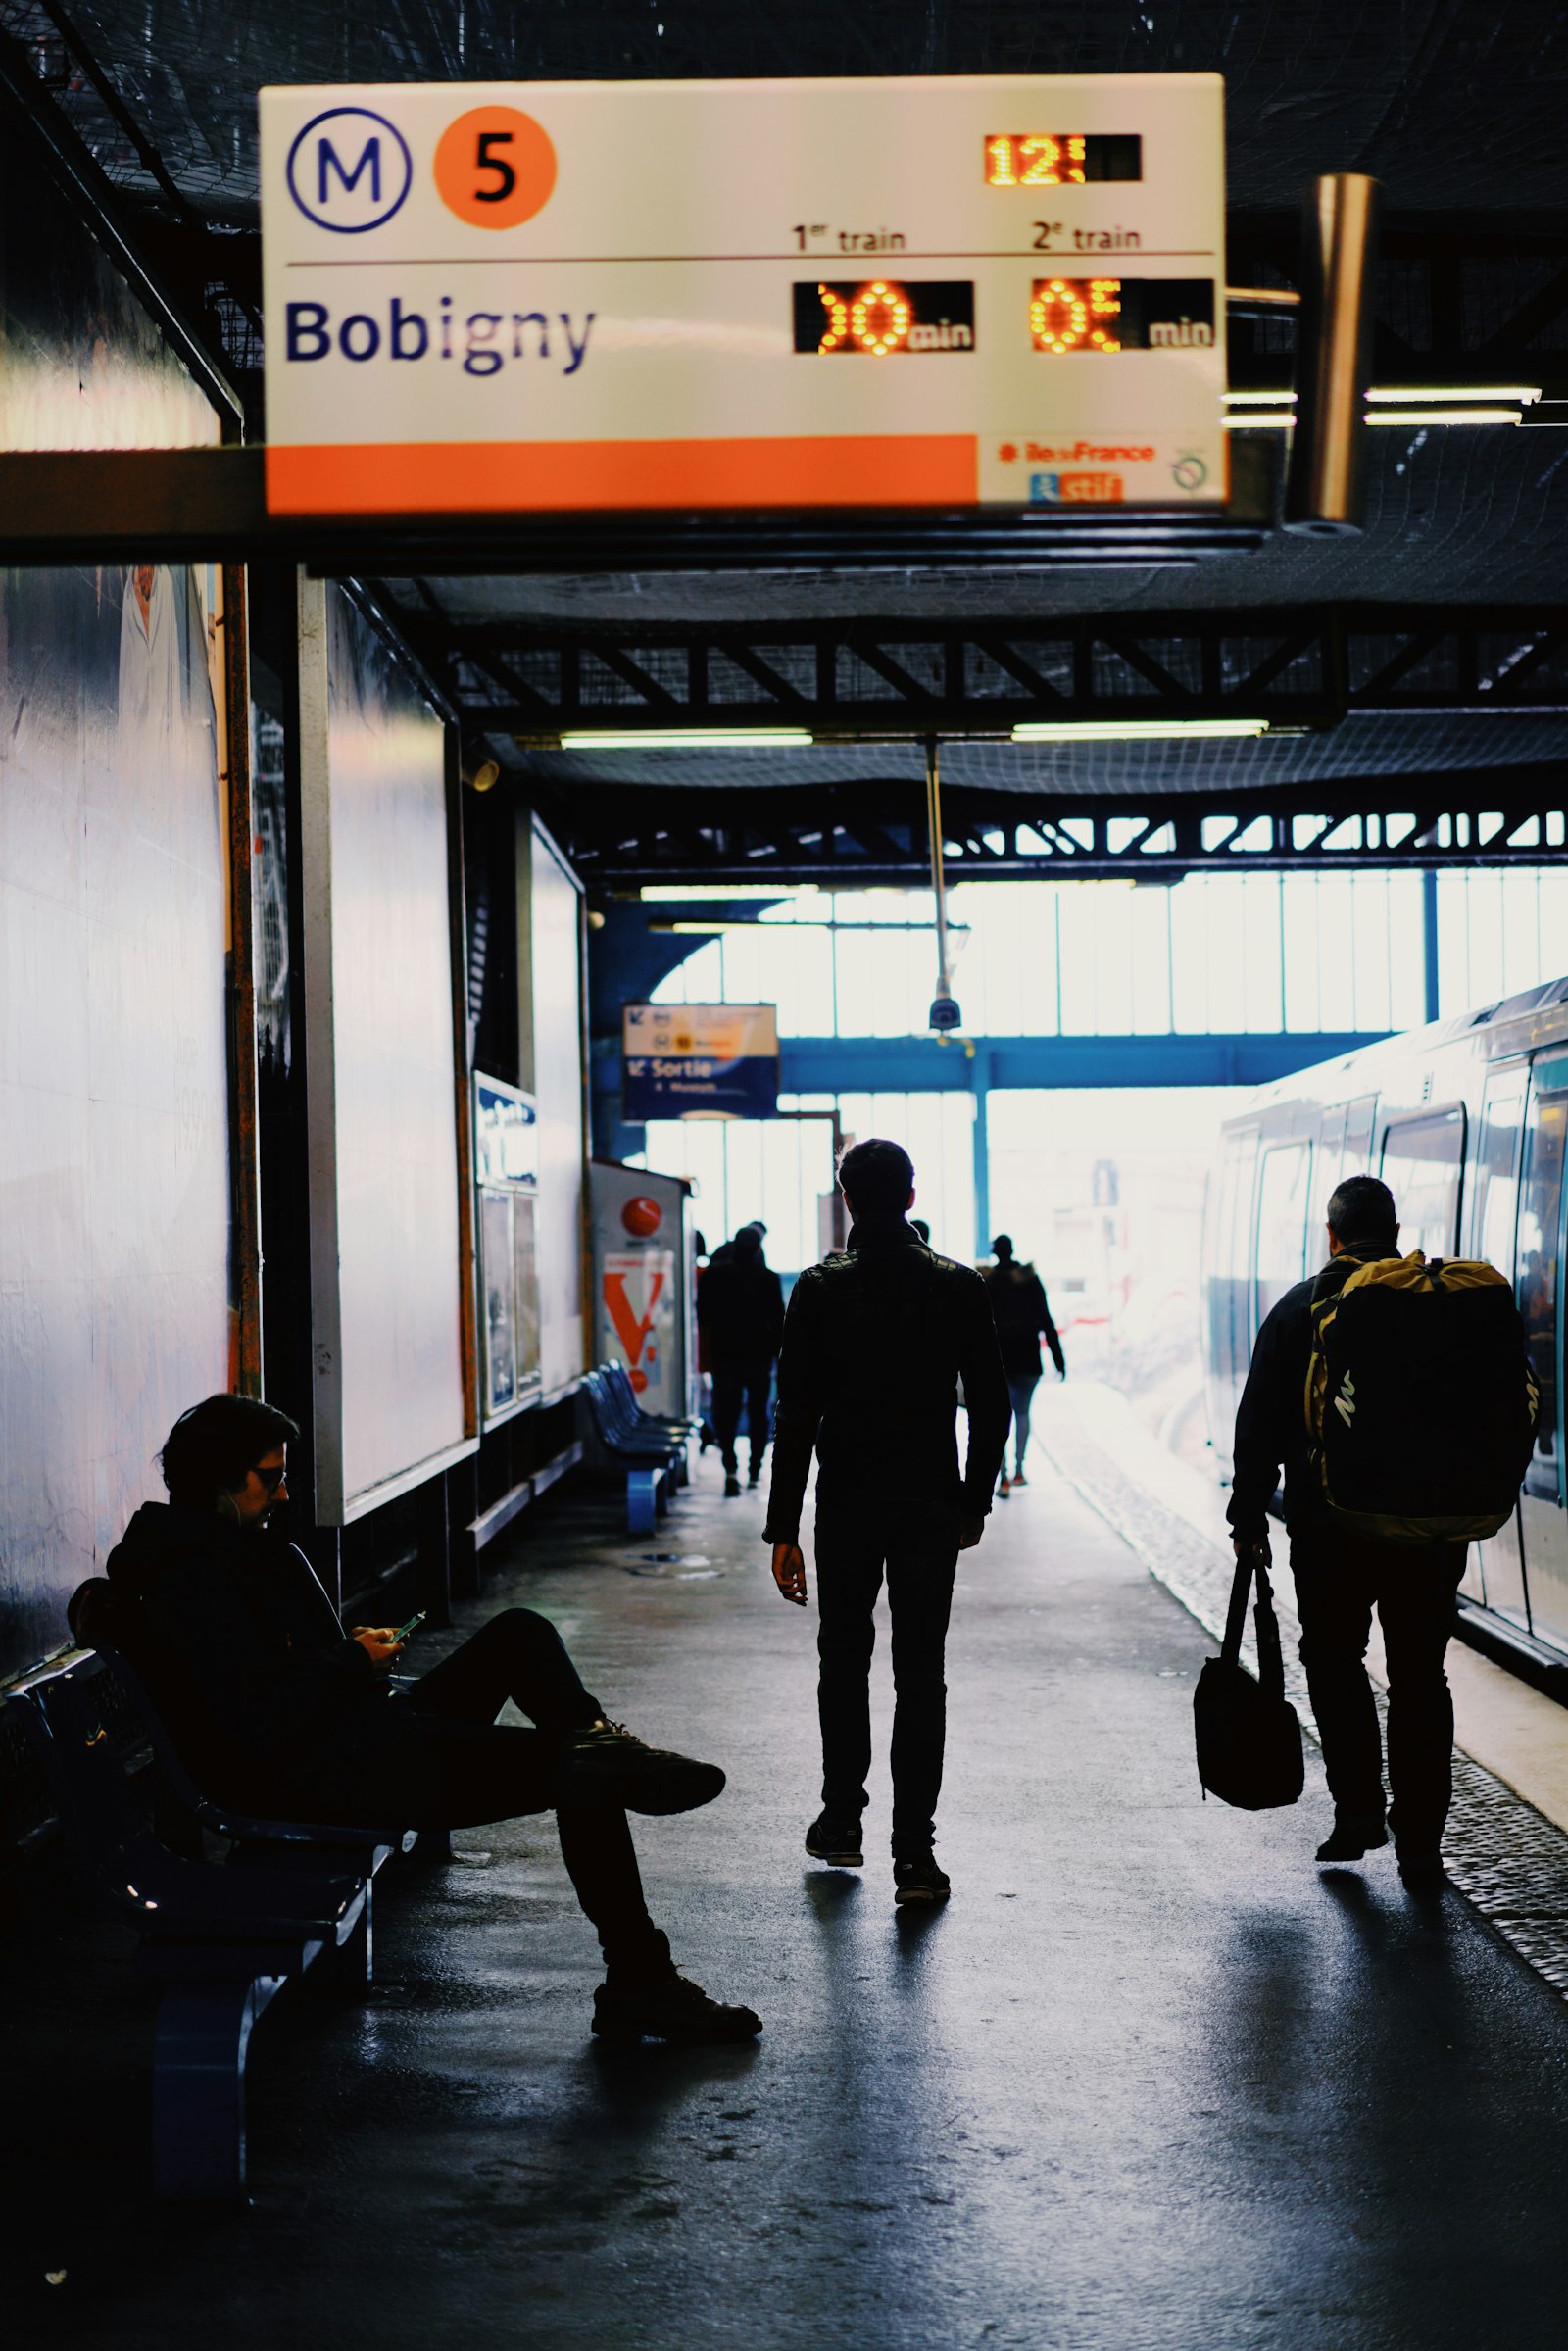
x: 875, y: 1341
x: 740, y: 1309
x: 1271, y: 1431
x: 267, y: 1700
x: 1018, y: 1301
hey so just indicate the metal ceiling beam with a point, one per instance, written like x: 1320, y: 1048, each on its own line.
x: 1295, y: 665
x: 864, y: 835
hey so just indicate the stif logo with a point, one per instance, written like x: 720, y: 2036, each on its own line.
x: 349, y: 169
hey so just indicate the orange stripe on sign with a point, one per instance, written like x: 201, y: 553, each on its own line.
x: 489, y: 477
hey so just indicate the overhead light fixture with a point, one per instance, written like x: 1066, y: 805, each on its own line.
x: 1525, y: 394
x: 1407, y: 395
x: 1261, y: 420
x: 1442, y: 415
x: 1131, y: 730
x: 686, y: 738
x: 670, y: 892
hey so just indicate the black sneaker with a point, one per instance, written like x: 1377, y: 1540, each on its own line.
x: 669, y: 2008
x: 920, y: 1880
x: 605, y: 1764
x: 835, y: 1841
x: 732, y: 1485
x: 1353, y: 1834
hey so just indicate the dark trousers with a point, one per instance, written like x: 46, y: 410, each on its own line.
x: 750, y: 1383
x: 920, y: 1564
x: 489, y: 1771
x: 1020, y: 1394
x: 1339, y: 1580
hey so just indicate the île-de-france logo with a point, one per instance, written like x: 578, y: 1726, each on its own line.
x: 350, y: 170
x: 1190, y: 471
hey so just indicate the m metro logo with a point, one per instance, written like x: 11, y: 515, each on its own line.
x: 349, y: 170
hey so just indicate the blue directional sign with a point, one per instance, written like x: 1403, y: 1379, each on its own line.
x: 699, y: 1060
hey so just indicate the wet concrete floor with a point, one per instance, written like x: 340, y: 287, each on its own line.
x: 1151, y: 2081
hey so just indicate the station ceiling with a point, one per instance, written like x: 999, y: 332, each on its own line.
x: 1457, y: 111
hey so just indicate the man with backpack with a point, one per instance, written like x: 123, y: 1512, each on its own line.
x: 1397, y: 1397
x: 875, y: 1341
x: 740, y: 1315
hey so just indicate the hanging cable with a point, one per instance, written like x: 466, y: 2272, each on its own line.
x: 945, y: 1013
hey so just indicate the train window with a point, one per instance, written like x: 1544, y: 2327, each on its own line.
x: 1423, y: 1163
x: 1284, y: 1214
x: 1359, y: 1119
x: 1496, y: 1171
x: 1539, y: 1276
x: 1330, y: 1157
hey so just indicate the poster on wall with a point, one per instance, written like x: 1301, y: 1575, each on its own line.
x: 643, y: 1282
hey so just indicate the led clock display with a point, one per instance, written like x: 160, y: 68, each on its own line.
x: 881, y: 317
x: 1060, y: 158
x: 1121, y: 313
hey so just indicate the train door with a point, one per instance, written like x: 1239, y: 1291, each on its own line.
x: 1284, y: 1208
x: 1539, y: 1266
x: 1495, y: 1571
x: 1226, y: 1283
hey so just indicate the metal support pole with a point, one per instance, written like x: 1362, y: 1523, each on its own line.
x: 944, y: 1012
x: 1429, y: 940
x: 1333, y: 353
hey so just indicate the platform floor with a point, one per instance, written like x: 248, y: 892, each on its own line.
x: 1150, y: 2082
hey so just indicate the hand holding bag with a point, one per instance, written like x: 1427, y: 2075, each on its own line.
x: 1248, y: 1738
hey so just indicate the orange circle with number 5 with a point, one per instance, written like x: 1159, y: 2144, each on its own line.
x: 495, y: 168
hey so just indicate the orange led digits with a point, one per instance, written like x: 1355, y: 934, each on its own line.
x: 838, y: 319
x: 879, y: 317
x: 1060, y: 158
x: 1075, y: 314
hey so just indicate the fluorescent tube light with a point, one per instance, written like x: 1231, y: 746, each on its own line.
x: 1131, y: 730
x: 686, y: 738
x: 1258, y: 399
x: 670, y: 892
x: 1259, y: 420
x: 1442, y: 415
x: 1526, y: 394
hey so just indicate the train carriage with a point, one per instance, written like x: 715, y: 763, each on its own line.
x: 1465, y: 1122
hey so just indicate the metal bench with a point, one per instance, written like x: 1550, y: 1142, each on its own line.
x: 222, y: 1941
x: 653, y: 1457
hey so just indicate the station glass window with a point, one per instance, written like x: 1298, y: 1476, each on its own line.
x: 1539, y: 1274
x: 1423, y: 1164
x: 1283, y: 1210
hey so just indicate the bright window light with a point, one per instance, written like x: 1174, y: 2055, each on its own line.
x: 1130, y: 730
x: 686, y: 738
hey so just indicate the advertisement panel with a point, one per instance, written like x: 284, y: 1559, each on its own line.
x: 501, y: 297
x: 712, y: 1061
x: 644, y: 1288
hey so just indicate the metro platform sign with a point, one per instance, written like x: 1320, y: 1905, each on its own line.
x: 699, y: 1060
x: 922, y: 292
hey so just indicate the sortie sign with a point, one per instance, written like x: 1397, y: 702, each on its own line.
x: 679, y: 1060
x: 499, y: 297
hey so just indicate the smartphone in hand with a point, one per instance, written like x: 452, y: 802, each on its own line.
x: 412, y: 1625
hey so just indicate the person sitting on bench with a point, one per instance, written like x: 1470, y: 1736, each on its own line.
x: 273, y: 1708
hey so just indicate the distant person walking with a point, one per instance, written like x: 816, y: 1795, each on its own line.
x: 1340, y: 1573
x: 740, y: 1317
x: 1023, y: 1318
x: 875, y: 1341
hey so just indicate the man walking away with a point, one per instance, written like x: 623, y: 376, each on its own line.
x: 1023, y: 1318
x: 875, y: 1341
x: 1341, y: 1575
x: 740, y: 1313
